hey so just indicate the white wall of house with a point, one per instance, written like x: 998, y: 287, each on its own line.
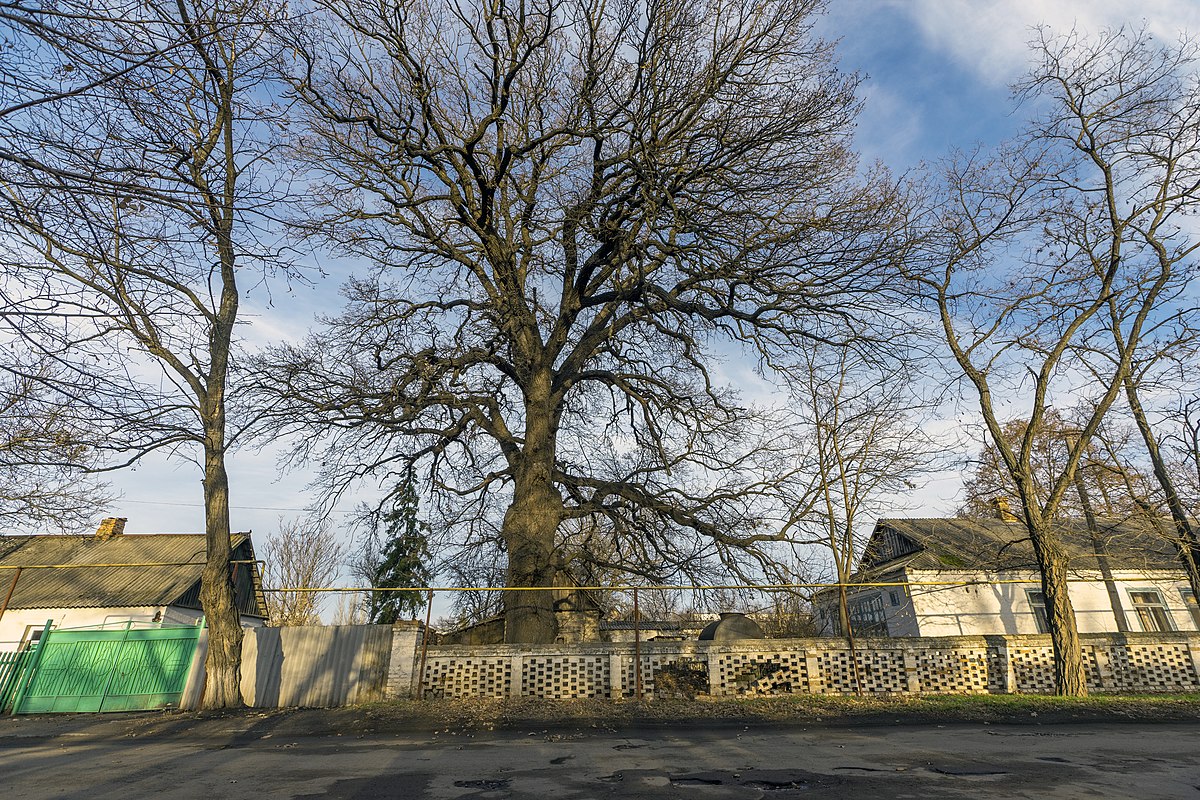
x: 937, y: 603
x: 16, y: 622
x: 998, y: 607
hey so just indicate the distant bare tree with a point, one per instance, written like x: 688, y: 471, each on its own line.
x: 855, y: 442
x: 1110, y: 483
x: 573, y: 205
x: 348, y: 609
x: 44, y: 457
x: 299, y: 554
x: 132, y: 211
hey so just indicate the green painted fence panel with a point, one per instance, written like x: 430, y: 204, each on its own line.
x: 12, y: 667
x: 15, y: 668
x: 109, y: 670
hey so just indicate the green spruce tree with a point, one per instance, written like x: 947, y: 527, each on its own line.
x: 397, y: 556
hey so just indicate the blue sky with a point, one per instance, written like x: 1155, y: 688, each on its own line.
x: 939, y: 71
x: 937, y: 76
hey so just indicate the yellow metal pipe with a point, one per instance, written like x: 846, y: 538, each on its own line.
x: 96, y: 566
x: 660, y: 587
x: 767, y: 587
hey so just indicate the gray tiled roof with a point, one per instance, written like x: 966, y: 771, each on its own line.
x: 960, y: 543
x: 99, y: 587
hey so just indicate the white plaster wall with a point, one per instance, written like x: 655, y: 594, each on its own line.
x: 1003, y: 607
x: 15, y: 621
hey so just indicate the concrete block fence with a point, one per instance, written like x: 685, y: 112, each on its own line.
x: 339, y: 665
x: 945, y: 665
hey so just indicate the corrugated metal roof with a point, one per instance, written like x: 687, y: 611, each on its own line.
x: 100, y: 587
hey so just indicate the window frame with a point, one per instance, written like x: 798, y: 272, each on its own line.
x: 1157, y: 613
x: 868, y: 615
x: 1036, y: 600
x: 1189, y: 602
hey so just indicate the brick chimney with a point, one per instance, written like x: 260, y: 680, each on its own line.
x: 110, y: 527
x: 1003, y: 510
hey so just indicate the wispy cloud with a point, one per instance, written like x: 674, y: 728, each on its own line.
x: 890, y: 128
x: 990, y: 38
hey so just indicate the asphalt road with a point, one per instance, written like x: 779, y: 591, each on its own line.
x: 236, y: 759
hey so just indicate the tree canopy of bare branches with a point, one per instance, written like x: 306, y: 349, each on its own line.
x: 299, y: 554
x: 854, y: 441
x: 45, y: 456
x: 131, y: 209
x: 574, y: 209
x: 1068, y: 242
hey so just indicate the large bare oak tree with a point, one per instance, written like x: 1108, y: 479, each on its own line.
x: 574, y: 208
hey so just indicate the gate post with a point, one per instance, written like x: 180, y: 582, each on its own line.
x: 31, y: 666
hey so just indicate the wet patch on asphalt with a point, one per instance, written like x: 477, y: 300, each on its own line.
x: 486, y: 784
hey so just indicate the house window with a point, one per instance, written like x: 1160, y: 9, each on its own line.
x: 1037, y: 604
x: 32, y: 634
x: 832, y: 620
x: 1151, y: 611
x: 867, y: 617
x: 1189, y: 600
x: 894, y: 597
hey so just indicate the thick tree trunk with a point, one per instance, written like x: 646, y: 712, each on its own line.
x: 529, y: 528
x: 1187, y: 542
x: 223, y: 664
x: 1069, y: 678
x: 530, y: 525
x: 1098, y: 547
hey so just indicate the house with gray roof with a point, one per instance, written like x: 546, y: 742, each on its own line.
x: 111, y: 578
x: 958, y: 576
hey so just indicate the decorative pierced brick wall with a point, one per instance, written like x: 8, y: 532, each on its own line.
x: 561, y: 677
x: 945, y: 665
x: 468, y: 676
x: 963, y: 670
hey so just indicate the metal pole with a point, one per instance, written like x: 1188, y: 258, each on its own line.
x: 30, y: 668
x: 637, y: 646
x: 424, y: 647
x: 11, y: 588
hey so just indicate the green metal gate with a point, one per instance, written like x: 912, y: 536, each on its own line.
x: 106, y: 670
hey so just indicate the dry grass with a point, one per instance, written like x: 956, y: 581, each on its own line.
x: 491, y: 713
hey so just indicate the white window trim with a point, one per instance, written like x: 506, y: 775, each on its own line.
x: 1168, y: 617
x: 1039, y: 621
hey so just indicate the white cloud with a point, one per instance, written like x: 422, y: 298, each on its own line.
x: 889, y: 126
x: 990, y: 37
